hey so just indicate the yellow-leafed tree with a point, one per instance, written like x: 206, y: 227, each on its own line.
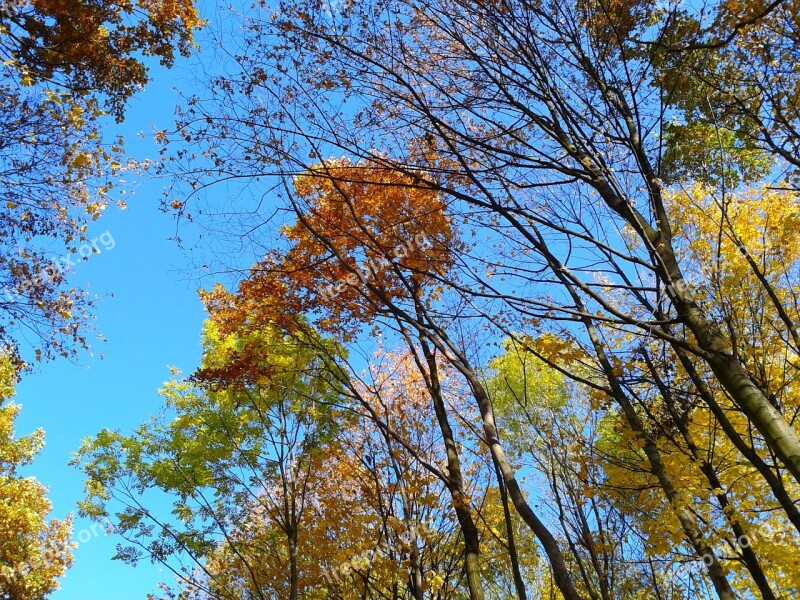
x: 34, y: 551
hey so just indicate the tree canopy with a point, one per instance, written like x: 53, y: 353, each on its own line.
x: 522, y: 318
x: 66, y: 67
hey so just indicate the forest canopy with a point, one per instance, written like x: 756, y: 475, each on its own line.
x: 520, y: 316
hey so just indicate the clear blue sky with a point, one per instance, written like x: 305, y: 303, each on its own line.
x: 153, y: 320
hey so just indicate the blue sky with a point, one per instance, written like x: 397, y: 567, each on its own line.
x: 153, y: 320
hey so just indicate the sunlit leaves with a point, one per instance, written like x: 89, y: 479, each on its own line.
x: 365, y: 235
x: 34, y: 551
x: 65, y: 67
x: 97, y: 46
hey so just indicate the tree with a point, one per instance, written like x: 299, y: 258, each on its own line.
x: 34, y: 551
x: 245, y: 447
x: 562, y: 134
x: 371, y: 266
x: 65, y: 66
x: 288, y: 478
x: 95, y: 48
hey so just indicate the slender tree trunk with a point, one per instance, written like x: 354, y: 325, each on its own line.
x: 293, y: 579
x: 779, y: 435
x: 685, y: 516
x: 519, y: 584
x: 434, y: 334
x: 472, y: 565
x: 774, y: 482
x: 561, y: 574
x: 415, y: 577
x: 749, y: 557
x: 455, y: 484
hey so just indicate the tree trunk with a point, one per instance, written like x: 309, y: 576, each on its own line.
x: 561, y: 574
x: 455, y: 484
x: 685, y: 516
x: 293, y: 590
x: 415, y: 577
x: 779, y: 435
x: 519, y: 584
x: 748, y: 556
x: 774, y: 482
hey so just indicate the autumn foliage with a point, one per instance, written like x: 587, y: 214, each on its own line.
x: 546, y: 302
x: 35, y: 551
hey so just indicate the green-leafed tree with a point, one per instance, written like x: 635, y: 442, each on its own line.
x: 238, y: 451
x: 553, y: 432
